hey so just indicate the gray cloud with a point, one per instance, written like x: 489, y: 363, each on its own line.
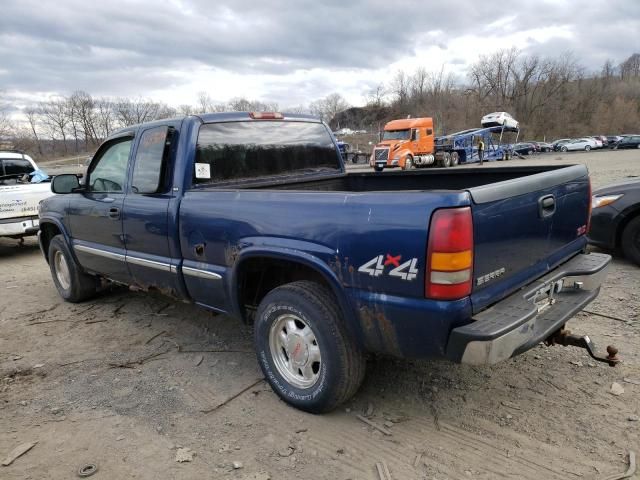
x: 127, y: 48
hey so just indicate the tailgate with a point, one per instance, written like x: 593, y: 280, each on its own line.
x: 22, y: 200
x: 524, y: 227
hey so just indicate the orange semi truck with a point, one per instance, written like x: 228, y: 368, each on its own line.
x: 407, y: 143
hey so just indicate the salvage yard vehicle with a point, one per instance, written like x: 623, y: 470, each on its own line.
x: 499, y: 119
x: 409, y: 143
x: 627, y: 141
x: 253, y: 215
x: 615, y: 220
x: 19, y: 195
x: 585, y: 144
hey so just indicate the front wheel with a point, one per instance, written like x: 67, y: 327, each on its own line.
x: 378, y: 169
x: 72, y: 283
x: 564, y: 149
x: 304, y: 349
x: 630, y: 240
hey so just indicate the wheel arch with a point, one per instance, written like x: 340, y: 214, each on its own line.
x: 49, y: 228
x: 626, y: 217
x: 290, y: 266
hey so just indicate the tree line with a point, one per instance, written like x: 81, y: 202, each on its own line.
x: 78, y: 123
x: 550, y: 97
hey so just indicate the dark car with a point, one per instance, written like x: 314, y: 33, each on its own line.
x: 628, y: 141
x: 524, y: 148
x: 543, y: 146
x: 557, y: 144
x: 612, y: 139
x: 615, y: 219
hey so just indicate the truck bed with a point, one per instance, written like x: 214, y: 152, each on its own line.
x: 421, y: 180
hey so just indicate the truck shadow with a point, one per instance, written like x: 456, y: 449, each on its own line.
x: 10, y: 247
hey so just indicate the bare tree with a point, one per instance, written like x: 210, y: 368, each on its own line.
x: 32, y: 117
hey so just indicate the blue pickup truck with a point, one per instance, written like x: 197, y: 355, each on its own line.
x: 253, y: 215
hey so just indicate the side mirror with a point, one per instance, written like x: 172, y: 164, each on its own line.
x: 65, y: 183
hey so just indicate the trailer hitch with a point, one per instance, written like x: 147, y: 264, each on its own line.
x: 566, y: 338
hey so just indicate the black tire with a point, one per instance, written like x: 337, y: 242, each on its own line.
x: 630, y: 241
x: 564, y: 149
x: 587, y: 148
x: 342, y: 365
x: 378, y: 169
x: 455, y: 158
x: 81, y: 286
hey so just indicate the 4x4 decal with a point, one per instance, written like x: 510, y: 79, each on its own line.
x: 376, y: 267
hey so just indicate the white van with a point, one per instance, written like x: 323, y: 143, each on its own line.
x: 19, y: 197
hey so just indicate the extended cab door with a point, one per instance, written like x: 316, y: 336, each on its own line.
x: 95, y: 215
x: 145, y: 211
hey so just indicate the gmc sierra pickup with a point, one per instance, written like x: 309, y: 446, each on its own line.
x: 253, y: 215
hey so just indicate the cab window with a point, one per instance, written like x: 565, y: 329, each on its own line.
x: 108, y: 173
x: 149, y: 166
x: 15, y: 166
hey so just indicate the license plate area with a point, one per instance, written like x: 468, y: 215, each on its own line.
x: 545, y: 297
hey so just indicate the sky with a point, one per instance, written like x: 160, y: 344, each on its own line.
x: 288, y: 52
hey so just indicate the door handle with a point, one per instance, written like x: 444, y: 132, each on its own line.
x: 546, y: 206
x: 114, y: 213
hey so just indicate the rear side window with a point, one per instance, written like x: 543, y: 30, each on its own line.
x: 233, y: 151
x: 150, y: 161
x: 15, y: 166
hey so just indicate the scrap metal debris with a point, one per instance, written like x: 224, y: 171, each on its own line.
x: 383, y: 471
x: 17, y: 452
x: 374, y: 425
x: 87, y: 470
x: 630, y: 471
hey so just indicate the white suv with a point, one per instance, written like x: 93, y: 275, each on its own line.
x: 21, y: 189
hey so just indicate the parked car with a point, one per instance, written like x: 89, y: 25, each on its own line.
x: 22, y: 186
x: 602, y: 140
x: 524, y: 148
x: 615, y: 218
x: 557, y: 144
x: 627, y: 141
x: 499, y: 119
x: 612, y: 139
x: 598, y: 140
x: 579, y: 144
x: 542, y: 146
x: 253, y: 214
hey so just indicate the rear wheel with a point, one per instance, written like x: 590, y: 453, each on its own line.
x: 72, y: 283
x: 455, y: 158
x: 630, y: 241
x: 304, y: 349
x: 587, y: 148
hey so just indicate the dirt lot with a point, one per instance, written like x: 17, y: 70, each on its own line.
x: 126, y: 380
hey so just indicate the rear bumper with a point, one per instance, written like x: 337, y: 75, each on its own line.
x: 19, y: 227
x: 524, y: 319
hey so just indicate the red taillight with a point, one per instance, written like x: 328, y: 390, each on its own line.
x: 449, y: 254
x: 266, y: 115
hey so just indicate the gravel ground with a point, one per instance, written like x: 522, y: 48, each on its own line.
x: 129, y: 380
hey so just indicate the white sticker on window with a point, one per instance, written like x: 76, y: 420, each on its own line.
x: 203, y: 170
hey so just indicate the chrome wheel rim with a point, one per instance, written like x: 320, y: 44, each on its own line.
x: 295, y: 351
x: 62, y: 270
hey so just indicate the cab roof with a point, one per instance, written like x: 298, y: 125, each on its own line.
x: 407, y: 123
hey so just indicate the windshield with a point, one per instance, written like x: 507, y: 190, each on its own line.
x: 396, y: 134
x: 244, y: 150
